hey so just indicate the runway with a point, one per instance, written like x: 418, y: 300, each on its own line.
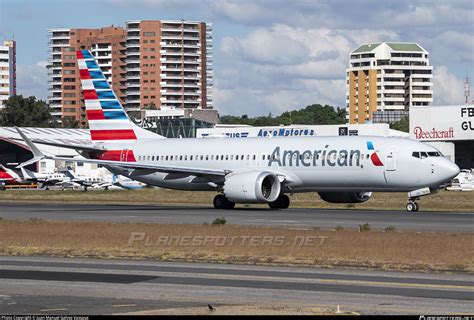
x: 87, y: 286
x: 321, y: 218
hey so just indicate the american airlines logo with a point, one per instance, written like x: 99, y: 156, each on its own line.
x: 321, y: 158
x: 421, y: 134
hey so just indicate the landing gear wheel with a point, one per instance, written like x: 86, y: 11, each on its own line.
x: 221, y: 202
x: 282, y: 202
x: 416, y: 206
x: 411, y: 206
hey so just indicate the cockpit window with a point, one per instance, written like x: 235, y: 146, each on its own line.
x: 423, y: 155
x: 434, y: 154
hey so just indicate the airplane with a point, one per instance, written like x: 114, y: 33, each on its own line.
x: 342, y: 169
x: 44, y: 180
x: 8, y: 176
x: 119, y: 183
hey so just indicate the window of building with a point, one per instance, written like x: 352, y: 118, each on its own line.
x: 149, y: 34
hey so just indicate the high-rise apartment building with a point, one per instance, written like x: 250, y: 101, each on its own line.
x: 169, y: 64
x: 385, y: 79
x: 150, y: 64
x: 106, y: 44
x: 7, y: 70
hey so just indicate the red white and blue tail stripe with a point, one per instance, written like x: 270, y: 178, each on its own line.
x: 105, y: 114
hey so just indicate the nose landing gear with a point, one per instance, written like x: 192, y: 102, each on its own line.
x: 412, y: 206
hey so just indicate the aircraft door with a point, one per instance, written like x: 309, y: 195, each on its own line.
x: 391, y: 163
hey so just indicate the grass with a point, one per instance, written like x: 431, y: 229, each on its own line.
x: 443, y: 201
x: 251, y: 245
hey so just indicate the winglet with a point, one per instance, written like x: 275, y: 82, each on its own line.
x: 37, y: 154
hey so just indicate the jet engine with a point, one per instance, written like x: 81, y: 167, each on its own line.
x: 254, y: 186
x: 345, y: 197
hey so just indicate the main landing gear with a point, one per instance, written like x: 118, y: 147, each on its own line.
x: 221, y: 202
x: 282, y: 202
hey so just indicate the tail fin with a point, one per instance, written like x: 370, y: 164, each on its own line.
x: 71, y: 174
x: 27, y: 174
x: 107, y: 119
x: 6, y: 174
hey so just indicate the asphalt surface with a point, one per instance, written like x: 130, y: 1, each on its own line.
x: 322, y: 218
x: 87, y: 286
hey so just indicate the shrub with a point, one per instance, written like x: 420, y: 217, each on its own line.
x: 389, y: 229
x: 220, y: 221
x: 339, y: 228
x: 364, y: 227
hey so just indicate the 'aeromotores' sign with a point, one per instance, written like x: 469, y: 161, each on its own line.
x: 442, y: 123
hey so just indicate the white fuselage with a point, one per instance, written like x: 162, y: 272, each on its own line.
x: 304, y: 163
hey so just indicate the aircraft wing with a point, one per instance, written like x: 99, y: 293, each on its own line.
x: 38, y: 155
x: 83, y: 147
x: 151, y: 167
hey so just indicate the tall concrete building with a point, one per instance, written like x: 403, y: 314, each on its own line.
x: 7, y: 70
x: 106, y: 44
x: 169, y: 64
x: 151, y: 64
x: 385, y: 79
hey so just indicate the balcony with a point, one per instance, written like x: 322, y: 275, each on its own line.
x: 132, y: 44
x: 171, y: 37
x: 164, y: 76
x: 132, y: 69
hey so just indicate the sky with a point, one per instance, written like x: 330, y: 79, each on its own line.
x: 269, y: 56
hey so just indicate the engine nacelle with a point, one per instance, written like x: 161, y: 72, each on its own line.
x: 254, y: 186
x: 345, y: 197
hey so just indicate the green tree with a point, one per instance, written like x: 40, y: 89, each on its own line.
x: 69, y: 122
x: 401, y: 125
x: 313, y: 114
x: 26, y: 112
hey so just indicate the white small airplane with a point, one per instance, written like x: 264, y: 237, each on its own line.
x: 119, y: 183
x: 464, y: 181
x: 341, y: 169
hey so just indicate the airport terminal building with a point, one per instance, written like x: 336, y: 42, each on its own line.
x: 446, y: 127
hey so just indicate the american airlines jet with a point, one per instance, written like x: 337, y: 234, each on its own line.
x: 253, y: 170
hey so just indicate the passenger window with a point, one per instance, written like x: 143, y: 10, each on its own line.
x: 231, y: 157
x: 166, y: 158
x: 207, y: 157
x: 416, y: 154
x: 202, y: 157
x: 191, y: 157
x: 153, y: 158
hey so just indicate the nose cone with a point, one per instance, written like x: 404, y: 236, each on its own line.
x: 450, y: 170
